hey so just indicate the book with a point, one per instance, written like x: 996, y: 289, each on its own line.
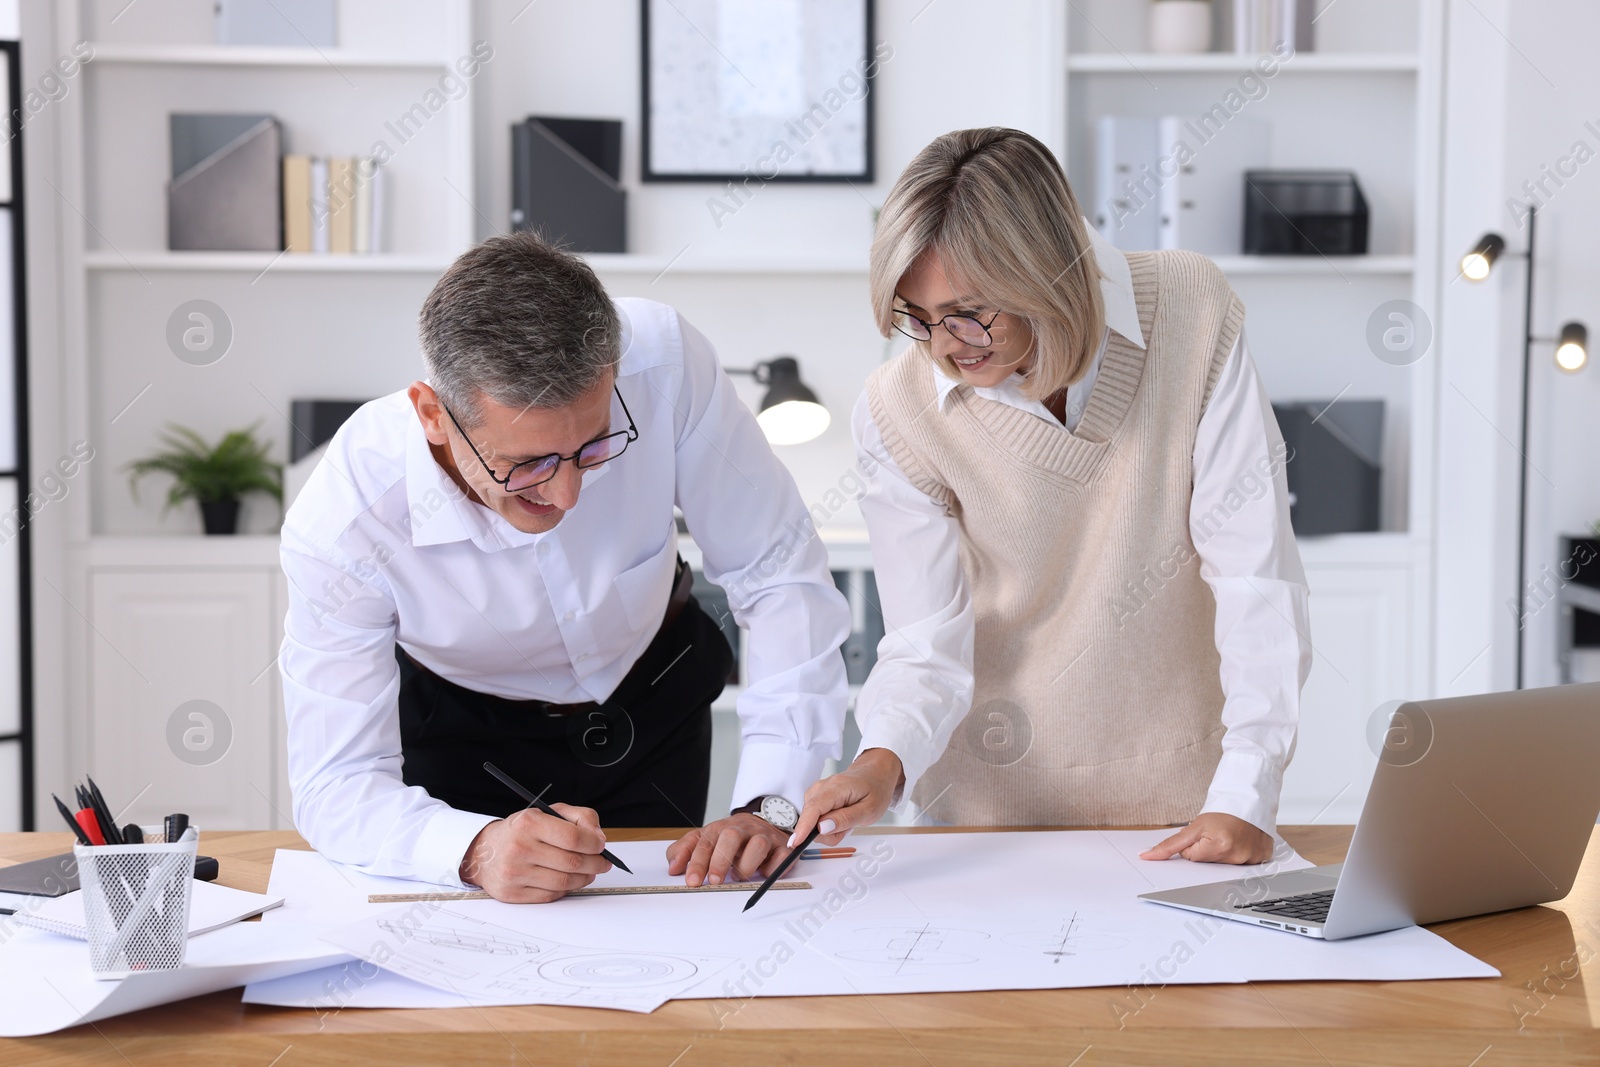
x: 361, y: 237
x: 297, y: 203
x: 319, y: 203
x: 341, y: 204
x: 380, y: 232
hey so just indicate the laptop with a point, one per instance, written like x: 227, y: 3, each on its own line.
x: 1479, y: 804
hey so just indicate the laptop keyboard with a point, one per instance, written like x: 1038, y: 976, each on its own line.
x: 1309, y: 907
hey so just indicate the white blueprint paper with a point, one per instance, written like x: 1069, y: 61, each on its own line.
x: 489, y: 964
x: 910, y: 913
x: 46, y: 983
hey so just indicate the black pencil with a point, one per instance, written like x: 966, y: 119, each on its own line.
x: 108, y: 822
x: 516, y: 787
x: 788, y: 861
x: 66, y: 813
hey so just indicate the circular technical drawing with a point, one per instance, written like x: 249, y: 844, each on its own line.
x: 617, y: 970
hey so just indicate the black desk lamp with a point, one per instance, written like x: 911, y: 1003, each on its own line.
x: 790, y: 413
x: 1571, y: 355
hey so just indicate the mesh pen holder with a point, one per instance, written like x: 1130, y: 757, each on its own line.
x: 136, y: 902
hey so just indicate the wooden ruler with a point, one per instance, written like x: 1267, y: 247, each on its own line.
x: 592, y: 891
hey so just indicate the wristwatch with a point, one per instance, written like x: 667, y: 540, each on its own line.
x: 775, y: 809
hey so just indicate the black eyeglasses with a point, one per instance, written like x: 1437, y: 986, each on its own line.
x: 964, y: 328
x: 541, y: 469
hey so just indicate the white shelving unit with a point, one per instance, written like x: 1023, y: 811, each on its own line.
x: 1307, y: 319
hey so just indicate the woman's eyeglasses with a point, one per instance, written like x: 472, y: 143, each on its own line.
x: 964, y: 328
x: 541, y: 469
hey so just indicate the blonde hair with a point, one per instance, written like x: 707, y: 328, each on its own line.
x: 995, y: 205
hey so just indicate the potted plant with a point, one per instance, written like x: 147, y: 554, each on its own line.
x: 216, y: 477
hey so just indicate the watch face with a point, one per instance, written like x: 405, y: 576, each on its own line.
x: 780, y: 813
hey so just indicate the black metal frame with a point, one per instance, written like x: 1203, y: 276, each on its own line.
x: 18, y: 252
x: 648, y: 174
x: 631, y: 434
x: 988, y: 338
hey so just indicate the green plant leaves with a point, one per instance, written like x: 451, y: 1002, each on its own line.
x: 237, y: 465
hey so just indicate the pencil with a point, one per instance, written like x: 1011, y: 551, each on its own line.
x: 788, y: 861
x: 66, y: 813
x: 516, y: 787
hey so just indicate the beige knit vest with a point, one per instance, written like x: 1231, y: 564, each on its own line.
x: 1096, y: 698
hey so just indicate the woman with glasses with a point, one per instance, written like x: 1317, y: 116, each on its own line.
x: 1094, y: 606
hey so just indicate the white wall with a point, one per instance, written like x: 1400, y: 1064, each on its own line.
x: 1553, y: 91
x: 1521, y: 86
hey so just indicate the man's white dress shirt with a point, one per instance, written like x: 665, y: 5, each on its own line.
x: 382, y: 547
x: 1250, y: 562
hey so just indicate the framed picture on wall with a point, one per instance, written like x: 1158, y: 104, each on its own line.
x: 777, y: 90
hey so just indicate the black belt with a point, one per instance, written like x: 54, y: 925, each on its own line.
x: 682, y: 593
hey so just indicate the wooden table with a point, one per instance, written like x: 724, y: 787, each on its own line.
x: 1538, y: 1013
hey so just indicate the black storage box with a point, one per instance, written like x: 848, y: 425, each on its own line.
x: 1580, y: 565
x: 1304, y: 213
x: 566, y: 182
x: 1334, y: 466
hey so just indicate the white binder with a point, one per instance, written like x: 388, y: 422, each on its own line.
x: 1127, y: 187
x: 1202, y: 204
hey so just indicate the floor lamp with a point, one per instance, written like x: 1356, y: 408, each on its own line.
x: 1571, y: 354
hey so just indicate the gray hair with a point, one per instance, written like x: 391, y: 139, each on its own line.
x: 520, y: 321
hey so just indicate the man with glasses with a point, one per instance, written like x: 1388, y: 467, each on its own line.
x: 450, y: 603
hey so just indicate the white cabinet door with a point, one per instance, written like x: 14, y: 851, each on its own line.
x: 1361, y: 634
x: 181, y: 695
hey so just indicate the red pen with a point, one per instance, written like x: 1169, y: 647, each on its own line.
x: 91, y: 827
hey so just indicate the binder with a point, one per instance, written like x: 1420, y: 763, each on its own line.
x: 225, y: 192
x: 565, y: 182
x: 1126, y: 207
x: 1202, y: 205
